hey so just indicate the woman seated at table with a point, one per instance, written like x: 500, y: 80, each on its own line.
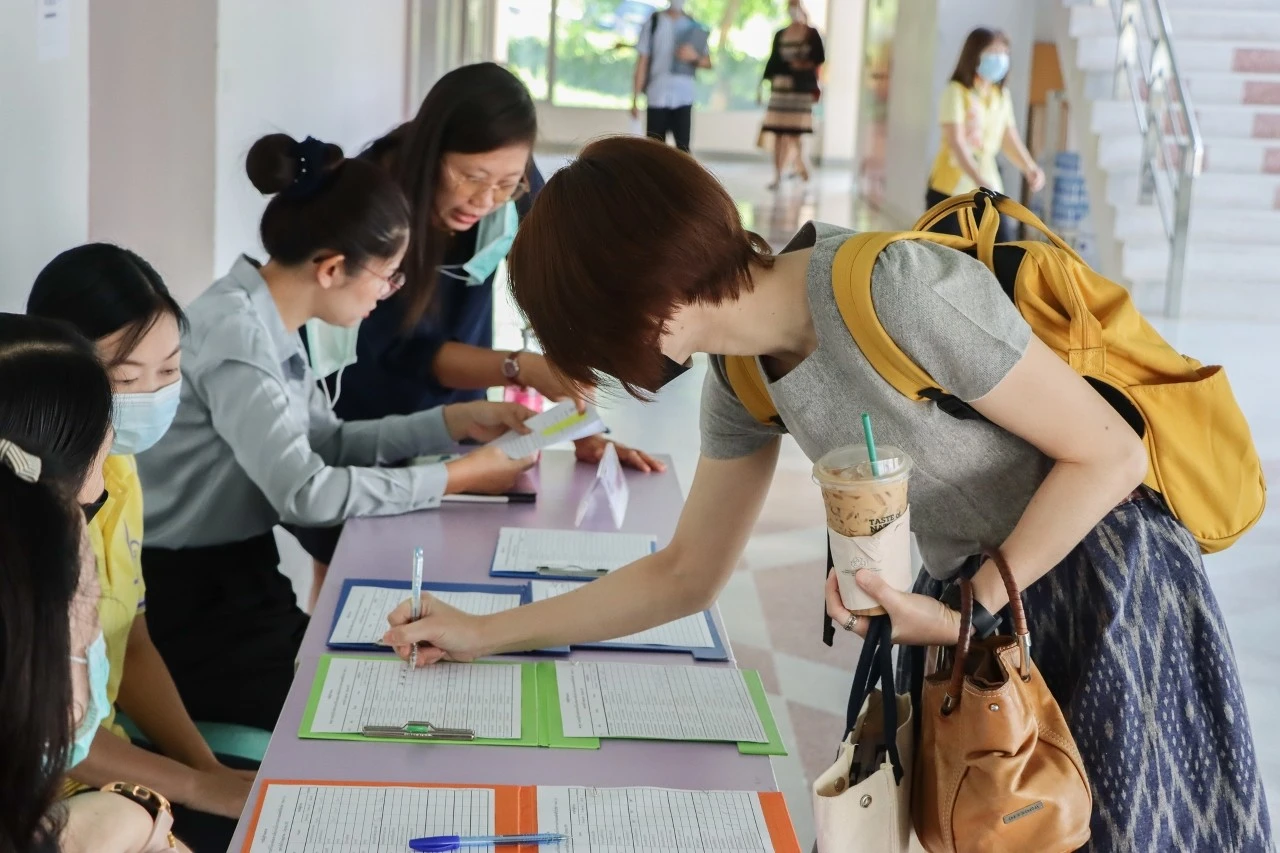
x: 254, y: 442
x: 117, y: 300
x: 55, y: 429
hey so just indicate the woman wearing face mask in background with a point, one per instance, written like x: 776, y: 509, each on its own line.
x: 116, y: 299
x: 55, y: 410
x: 465, y: 163
x: 976, y: 114
x: 254, y: 442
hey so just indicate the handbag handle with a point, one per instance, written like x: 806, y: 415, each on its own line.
x: 1021, y: 632
x: 875, y: 664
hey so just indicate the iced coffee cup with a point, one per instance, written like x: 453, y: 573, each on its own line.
x: 868, y: 519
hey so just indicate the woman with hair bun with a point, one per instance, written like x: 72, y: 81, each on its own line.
x: 255, y: 443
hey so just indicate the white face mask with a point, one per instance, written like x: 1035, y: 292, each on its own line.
x: 331, y: 349
x: 677, y: 5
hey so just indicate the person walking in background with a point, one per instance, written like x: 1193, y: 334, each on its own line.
x: 672, y: 47
x: 976, y: 114
x: 792, y: 75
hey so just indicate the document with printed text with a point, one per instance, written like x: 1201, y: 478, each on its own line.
x: 691, y: 632
x: 625, y: 700
x: 363, y: 618
x: 530, y: 551
x: 360, y: 692
x: 372, y: 819
x: 654, y: 820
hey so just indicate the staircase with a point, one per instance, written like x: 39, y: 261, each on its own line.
x: 1228, y: 53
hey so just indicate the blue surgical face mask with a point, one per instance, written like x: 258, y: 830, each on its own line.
x: 140, y: 420
x: 98, y: 706
x: 494, y: 236
x: 993, y: 67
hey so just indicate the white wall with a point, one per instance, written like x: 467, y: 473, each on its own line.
x: 44, y: 147
x: 151, y: 134
x: 843, y: 35
x: 936, y: 30
x: 333, y: 69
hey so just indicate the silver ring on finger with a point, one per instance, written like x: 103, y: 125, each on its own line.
x: 851, y: 622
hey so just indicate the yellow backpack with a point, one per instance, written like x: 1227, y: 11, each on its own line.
x: 1203, y: 461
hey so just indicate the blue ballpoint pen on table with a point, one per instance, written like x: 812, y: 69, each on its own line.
x: 415, y: 602
x: 438, y: 843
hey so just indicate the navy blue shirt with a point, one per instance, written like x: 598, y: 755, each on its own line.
x: 393, y: 375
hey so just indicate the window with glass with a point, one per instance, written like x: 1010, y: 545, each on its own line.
x: 582, y: 53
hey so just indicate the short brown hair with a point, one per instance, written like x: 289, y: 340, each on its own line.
x: 971, y: 54
x: 616, y: 242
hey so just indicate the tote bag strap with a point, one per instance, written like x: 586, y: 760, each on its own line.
x: 875, y: 665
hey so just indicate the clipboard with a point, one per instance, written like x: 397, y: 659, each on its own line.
x: 716, y: 651
x: 523, y: 590
x: 558, y: 571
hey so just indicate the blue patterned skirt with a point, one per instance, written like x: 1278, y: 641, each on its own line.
x: 1130, y: 640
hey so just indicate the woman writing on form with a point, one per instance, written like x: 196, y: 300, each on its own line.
x: 254, y: 442
x: 1051, y: 477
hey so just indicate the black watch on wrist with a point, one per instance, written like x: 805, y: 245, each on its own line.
x: 984, y: 623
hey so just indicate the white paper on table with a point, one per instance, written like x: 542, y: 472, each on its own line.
x: 359, y: 692
x: 322, y: 818
x: 562, y: 422
x: 528, y: 550
x: 689, y: 632
x: 364, y: 613
x: 625, y: 820
x: 612, y: 483
x: 657, y: 702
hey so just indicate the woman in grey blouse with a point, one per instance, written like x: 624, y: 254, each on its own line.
x: 1128, y: 634
x: 255, y: 443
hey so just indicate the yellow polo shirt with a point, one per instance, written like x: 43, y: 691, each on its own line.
x: 983, y: 116
x: 116, y: 535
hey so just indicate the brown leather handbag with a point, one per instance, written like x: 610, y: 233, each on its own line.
x: 996, y: 768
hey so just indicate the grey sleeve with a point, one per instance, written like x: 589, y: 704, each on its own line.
x: 948, y: 312
x: 375, y: 442
x: 642, y: 41
x: 249, y: 409
x: 728, y: 429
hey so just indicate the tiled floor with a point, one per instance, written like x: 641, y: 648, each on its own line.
x: 772, y: 605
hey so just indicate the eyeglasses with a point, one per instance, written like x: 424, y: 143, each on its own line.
x: 476, y: 187
x: 394, y: 282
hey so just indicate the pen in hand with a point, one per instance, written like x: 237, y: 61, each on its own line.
x: 415, y: 602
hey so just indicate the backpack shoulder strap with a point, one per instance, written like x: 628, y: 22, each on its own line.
x: 749, y: 387
x: 851, y: 283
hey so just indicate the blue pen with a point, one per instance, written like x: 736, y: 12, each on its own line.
x: 439, y: 843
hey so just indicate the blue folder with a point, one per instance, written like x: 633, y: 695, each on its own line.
x: 522, y: 590
x: 716, y: 651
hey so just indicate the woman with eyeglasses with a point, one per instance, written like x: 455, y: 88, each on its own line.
x: 255, y: 443
x: 465, y: 163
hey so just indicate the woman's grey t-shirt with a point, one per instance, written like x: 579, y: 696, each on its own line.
x: 972, y: 479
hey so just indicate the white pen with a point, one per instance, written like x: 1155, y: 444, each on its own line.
x: 415, y: 602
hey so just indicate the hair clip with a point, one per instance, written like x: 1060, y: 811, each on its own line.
x: 24, y: 465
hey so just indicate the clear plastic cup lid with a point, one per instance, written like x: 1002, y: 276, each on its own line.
x: 852, y: 464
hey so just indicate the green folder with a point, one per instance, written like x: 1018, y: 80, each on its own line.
x: 540, y: 720
x: 549, y: 690
x: 529, y: 727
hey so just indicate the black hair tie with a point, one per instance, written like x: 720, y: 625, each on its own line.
x: 311, y: 155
